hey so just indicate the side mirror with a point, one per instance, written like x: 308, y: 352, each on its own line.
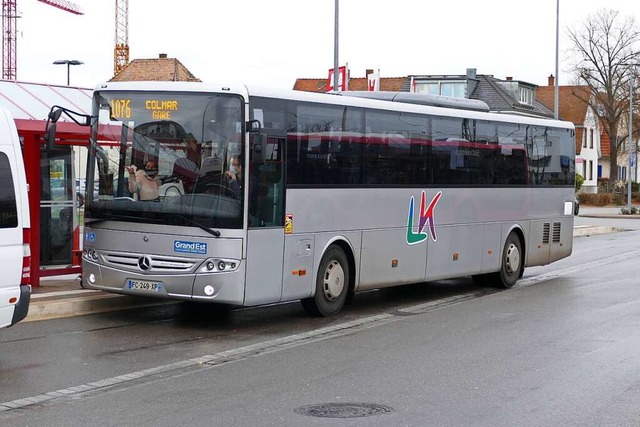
x: 254, y: 126
x: 53, y: 116
x: 50, y: 129
x: 50, y: 136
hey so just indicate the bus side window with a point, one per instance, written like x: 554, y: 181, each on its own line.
x: 266, y: 186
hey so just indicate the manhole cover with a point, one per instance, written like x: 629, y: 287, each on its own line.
x: 343, y: 410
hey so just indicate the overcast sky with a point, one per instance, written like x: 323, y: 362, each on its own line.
x: 274, y: 42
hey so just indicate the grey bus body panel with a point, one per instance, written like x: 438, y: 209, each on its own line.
x: 470, y: 226
x: 264, y: 265
x: 157, y: 255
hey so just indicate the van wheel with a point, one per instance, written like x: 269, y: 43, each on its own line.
x: 332, y: 284
x: 512, y: 263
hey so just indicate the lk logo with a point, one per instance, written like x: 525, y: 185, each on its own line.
x: 425, y: 217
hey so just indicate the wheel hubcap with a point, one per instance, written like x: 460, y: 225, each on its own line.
x: 512, y: 259
x: 333, y: 282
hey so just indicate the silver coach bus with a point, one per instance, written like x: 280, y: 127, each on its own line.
x: 257, y: 197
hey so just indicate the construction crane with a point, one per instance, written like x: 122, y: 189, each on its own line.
x: 121, y: 51
x: 9, y: 21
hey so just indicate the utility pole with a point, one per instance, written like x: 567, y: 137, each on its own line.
x: 630, y: 141
x: 555, y: 90
x: 336, y: 65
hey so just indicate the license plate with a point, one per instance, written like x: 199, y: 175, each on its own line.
x: 144, y: 285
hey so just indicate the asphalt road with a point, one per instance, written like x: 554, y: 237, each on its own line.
x: 560, y: 348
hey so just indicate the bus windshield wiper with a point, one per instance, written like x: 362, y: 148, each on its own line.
x: 201, y: 226
x: 109, y: 216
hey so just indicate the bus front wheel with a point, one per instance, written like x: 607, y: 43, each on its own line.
x: 512, y: 263
x: 332, y: 284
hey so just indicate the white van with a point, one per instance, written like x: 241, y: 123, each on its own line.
x: 15, y: 253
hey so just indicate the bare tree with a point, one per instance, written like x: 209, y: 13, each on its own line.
x: 606, y: 52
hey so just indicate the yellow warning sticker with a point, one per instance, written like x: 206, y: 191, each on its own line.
x: 288, y: 224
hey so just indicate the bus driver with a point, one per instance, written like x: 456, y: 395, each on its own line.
x: 234, y: 176
x: 143, y: 183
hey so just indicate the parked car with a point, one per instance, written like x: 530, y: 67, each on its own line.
x: 58, y: 189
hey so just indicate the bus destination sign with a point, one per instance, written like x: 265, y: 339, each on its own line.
x: 160, y: 108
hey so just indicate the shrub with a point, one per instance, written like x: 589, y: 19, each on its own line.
x: 619, y: 199
x: 604, y: 185
x: 600, y: 199
x: 579, y: 182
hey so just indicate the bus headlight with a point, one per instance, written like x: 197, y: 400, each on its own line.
x: 219, y: 265
x: 90, y: 254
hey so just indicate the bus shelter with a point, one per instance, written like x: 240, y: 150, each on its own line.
x: 54, y: 176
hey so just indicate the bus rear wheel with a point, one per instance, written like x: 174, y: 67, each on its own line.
x: 332, y: 284
x: 512, y: 265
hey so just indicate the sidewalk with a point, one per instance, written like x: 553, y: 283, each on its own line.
x: 62, y: 296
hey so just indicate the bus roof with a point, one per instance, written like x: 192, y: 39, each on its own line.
x: 442, y: 106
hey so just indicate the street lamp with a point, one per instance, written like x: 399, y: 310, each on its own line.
x: 69, y: 63
x: 630, y: 141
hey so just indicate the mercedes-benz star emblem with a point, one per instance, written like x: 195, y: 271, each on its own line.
x: 144, y: 263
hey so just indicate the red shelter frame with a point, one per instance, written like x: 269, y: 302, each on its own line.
x: 32, y: 134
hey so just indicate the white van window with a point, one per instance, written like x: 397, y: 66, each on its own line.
x: 8, y: 209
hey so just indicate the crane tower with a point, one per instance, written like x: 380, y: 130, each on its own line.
x: 9, y: 21
x: 121, y: 51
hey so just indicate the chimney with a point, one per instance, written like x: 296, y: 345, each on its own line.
x: 509, y: 79
x: 163, y: 56
x: 552, y: 80
x: 472, y: 73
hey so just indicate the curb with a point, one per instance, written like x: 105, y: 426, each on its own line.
x: 45, y: 307
x: 588, y: 230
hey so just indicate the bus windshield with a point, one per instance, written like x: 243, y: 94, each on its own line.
x: 168, y: 158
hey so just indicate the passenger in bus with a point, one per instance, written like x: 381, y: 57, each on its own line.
x: 234, y: 176
x: 143, y: 183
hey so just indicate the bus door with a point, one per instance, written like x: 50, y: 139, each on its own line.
x: 57, y: 206
x: 265, y: 238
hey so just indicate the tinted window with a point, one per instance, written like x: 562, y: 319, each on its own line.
x: 344, y: 146
x: 396, y: 148
x: 266, y: 178
x: 8, y: 208
x: 324, y: 145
